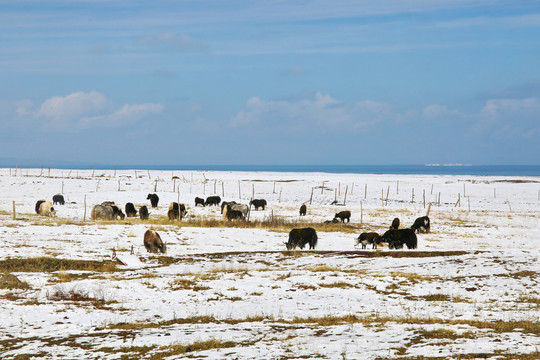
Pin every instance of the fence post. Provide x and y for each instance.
(365, 191)
(14, 213)
(311, 197)
(345, 198)
(84, 216)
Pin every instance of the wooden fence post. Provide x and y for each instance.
(280, 190)
(62, 188)
(215, 182)
(223, 188)
(311, 197)
(14, 213)
(458, 200)
(345, 197)
(424, 196)
(84, 216)
(361, 214)
(322, 187)
(155, 185)
(239, 191)
(412, 197)
(274, 190)
(149, 174)
(387, 193)
(365, 191)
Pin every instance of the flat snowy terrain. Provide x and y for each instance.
(230, 290)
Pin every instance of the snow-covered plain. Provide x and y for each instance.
(470, 290)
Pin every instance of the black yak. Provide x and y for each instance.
(343, 215)
(422, 224)
(397, 238)
(154, 199)
(301, 237)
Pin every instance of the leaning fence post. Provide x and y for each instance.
(311, 197)
(345, 197)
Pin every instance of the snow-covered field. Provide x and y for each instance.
(470, 290)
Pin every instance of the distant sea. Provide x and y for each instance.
(500, 170)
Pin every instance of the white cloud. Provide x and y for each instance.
(499, 107)
(322, 111)
(126, 114)
(436, 111)
(83, 110)
(61, 111)
(510, 117)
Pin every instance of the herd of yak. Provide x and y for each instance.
(396, 238)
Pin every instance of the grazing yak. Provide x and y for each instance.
(397, 238)
(180, 208)
(154, 199)
(301, 237)
(106, 212)
(230, 214)
(303, 210)
(243, 208)
(102, 212)
(368, 238)
(395, 224)
(117, 212)
(130, 210)
(46, 209)
(199, 201)
(421, 224)
(58, 199)
(257, 203)
(153, 242)
(225, 203)
(343, 215)
(38, 204)
(212, 200)
(143, 213)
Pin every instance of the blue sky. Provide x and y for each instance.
(270, 82)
